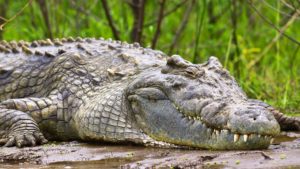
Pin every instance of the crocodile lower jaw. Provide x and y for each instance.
(217, 132)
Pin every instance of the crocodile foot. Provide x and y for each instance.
(20, 129)
(23, 139)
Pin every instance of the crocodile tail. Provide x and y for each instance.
(286, 123)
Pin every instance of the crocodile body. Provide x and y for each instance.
(110, 91)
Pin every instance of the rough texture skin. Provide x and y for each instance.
(103, 90)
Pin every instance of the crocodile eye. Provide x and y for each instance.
(151, 93)
(4, 73)
(191, 71)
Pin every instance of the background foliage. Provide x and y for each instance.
(241, 33)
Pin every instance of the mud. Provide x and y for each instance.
(284, 153)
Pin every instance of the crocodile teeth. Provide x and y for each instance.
(236, 137)
(246, 137)
(272, 140)
(217, 132)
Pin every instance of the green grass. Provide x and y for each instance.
(274, 78)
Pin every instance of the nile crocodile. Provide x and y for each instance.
(110, 91)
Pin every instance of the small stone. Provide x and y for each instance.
(282, 156)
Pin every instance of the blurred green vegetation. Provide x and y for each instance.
(264, 61)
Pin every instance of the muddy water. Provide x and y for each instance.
(284, 153)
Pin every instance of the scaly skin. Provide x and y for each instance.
(103, 90)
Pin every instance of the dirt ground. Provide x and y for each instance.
(284, 153)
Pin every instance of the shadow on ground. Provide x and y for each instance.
(284, 153)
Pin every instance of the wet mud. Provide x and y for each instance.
(283, 153)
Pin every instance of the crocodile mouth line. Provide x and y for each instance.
(214, 132)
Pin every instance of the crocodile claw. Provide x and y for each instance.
(24, 139)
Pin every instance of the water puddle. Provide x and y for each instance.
(286, 137)
(284, 152)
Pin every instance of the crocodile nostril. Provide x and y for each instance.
(254, 118)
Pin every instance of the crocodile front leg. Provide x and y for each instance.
(19, 120)
(18, 129)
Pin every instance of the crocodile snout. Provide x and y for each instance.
(252, 119)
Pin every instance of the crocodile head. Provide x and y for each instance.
(199, 105)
